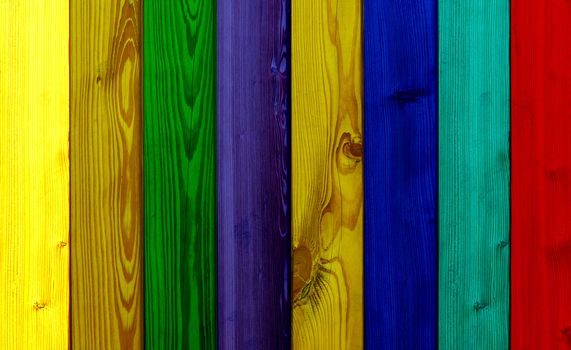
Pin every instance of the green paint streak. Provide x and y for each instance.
(474, 174)
(180, 174)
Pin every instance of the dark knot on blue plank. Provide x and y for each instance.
(403, 96)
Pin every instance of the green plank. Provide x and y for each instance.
(473, 174)
(180, 174)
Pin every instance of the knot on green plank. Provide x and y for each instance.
(502, 244)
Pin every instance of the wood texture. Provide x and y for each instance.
(400, 173)
(34, 174)
(473, 174)
(106, 175)
(180, 174)
(541, 168)
(327, 174)
(254, 243)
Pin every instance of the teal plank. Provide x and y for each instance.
(474, 174)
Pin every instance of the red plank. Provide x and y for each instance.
(541, 174)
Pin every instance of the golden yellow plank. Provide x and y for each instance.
(327, 174)
(34, 174)
(106, 175)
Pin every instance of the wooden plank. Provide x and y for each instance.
(180, 174)
(254, 243)
(400, 173)
(327, 174)
(106, 175)
(473, 174)
(34, 174)
(541, 166)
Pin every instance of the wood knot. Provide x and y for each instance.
(405, 96)
(502, 244)
(62, 244)
(39, 306)
(354, 150)
(479, 306)
(302, 267)
(566, 332)
(352, 147)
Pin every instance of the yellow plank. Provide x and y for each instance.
(327, 170)
(106, 175)
(34, 174)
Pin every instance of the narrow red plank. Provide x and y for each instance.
(541, 174)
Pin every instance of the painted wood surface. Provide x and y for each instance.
(106, 175)
(400, 174)
(34, 174)
(327, 174)
(541, 175)
(180, 174)
(254, 243)
(473, 174)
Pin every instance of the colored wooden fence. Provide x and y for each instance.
(400, 174)
(154, 141)
(106, 175)
(253, 174)
(34, 175)
(541, 175)
(473, 174)
(180, 174)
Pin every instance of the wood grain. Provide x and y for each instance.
(106, 175)
(327, 174)
(180, 174)
(541, 168)
(34, 174)
(473, 174)
(254, 242)
(400, 173)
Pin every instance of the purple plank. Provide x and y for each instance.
(253, 174)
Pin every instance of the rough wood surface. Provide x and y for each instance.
(254, 243)
(34, 174)
(541, 180)
(327, 174)
(180, 174)
(400, 174)
(473, 174)
(106, 175)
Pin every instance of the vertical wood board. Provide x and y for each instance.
(473, 174)
(106, 175)
(34, 174)
(254, 174)
(180, 174)
(400, 174)
(327, 175)
(541, 167)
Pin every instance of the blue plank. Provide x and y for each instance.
(400, 56)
